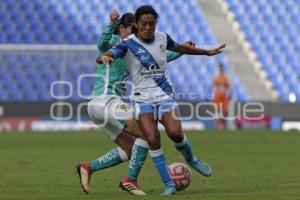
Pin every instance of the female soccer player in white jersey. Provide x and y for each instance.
(106, 99)
(144, 53)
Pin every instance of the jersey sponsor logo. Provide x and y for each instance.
(155, 73)
(152, 71)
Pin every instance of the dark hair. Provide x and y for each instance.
(126, 20)
(144, 10)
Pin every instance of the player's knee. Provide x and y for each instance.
(175, 134)
(153, 145)
(128, 152)
(126, 142)
(153, 141)
(177, 138)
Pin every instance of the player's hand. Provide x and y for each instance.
(114, 16)
(190, 43)
(216, 51)
(105, 60)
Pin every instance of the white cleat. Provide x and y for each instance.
(84, 172)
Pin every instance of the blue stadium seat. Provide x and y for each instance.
(277, 24)
(80, 22)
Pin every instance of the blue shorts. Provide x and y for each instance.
(157, 108)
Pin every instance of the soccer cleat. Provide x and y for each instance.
(201, 167)
(84, 171)
(169, 190)
(131, 186)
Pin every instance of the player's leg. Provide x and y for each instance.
(139, 154)
(99, 112)
(147, 122)
(220, 121)
(116, 155)
(170, 118)
(225, 107)
(138, 157)
(107, 118)
(139, 150)
(109, 159)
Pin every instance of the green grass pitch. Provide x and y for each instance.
(247, 165)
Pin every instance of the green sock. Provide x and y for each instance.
(138, 157)
(110, 159)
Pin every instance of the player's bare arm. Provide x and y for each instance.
(189, 49)
(107, 58)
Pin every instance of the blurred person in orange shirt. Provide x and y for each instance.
(222, 96)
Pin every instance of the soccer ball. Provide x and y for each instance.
(181, 175)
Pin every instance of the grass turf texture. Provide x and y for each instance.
(247, 165)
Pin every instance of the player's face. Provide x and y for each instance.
(128, 30)
(146, 27)
(125, 31)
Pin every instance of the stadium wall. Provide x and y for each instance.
(59, 116)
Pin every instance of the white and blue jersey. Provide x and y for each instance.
(146, 63)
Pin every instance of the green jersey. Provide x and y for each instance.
(111, 80)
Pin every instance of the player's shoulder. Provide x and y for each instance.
(131, 36)
(160, 34)
(125, 41)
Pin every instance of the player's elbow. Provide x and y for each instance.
(180, 49)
